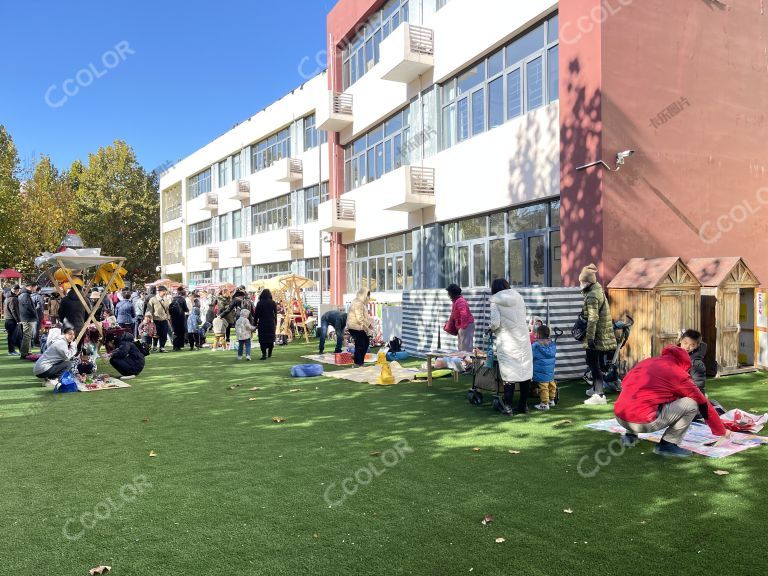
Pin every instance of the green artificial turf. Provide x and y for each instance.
(234, 493)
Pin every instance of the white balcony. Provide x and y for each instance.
(212, 256)
(335, 113)
(407, 53)
(238, 190)
(212, 202)
(415, 191)
(289, 170)
(294, 240)
(244, 251)
(336, 215)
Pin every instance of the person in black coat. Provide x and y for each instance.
(127, 359)
(179, 310)
(266, 323)
(692, 343)
(73, 313)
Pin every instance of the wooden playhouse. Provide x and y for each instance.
(727, 313)
(663, 296)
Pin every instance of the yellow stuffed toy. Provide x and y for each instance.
(104, 273)
(386, 378)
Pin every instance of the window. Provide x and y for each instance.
(362, 52)
(200, 234)
(224, 227)
(312, 271)
(263, 271)
(237, 227)
(236, 171)
(313, 197)
(382, 265)
(312, 135)
(172, 247)
(527, 68)
(172, 204)
(224, 173)
(270, 150)
(197, 278)
(199, 184)
(521, 245)
(272, 215)
(378, 152)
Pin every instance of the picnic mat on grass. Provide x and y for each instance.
(370, 374)
(698, 439)
(114, 384)
(330, 358)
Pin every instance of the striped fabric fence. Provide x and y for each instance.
(426, 311)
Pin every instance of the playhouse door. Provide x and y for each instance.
(669, 319)
(728, 329)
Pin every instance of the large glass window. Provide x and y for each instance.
(270, 150)
(377, 152)
(224, 172)
(236, 170)
(199, 184)
(225, 229)
(312, 271)
(521, 245)
(313, 196)
(362, 51)
(237, 224)
(381, 265)
(527, 69)
(200, 234)
(312, 135)
(197, 278)
(172, 251)
(273, 214)
(264, 271)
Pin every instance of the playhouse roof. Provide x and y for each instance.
(713, 272)
(650, 273)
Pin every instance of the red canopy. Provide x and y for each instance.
(10, 273)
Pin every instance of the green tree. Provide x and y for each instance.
(118, 208)
(11, 248)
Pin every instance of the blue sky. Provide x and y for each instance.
(172, 75)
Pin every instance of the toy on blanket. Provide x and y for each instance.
(386, 378)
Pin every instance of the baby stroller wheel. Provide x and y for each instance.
(474, 397)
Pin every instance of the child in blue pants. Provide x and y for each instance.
(244, 331)
(544, 353)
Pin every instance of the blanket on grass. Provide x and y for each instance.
(370, 374)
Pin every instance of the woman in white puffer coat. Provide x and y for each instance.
(513, 347)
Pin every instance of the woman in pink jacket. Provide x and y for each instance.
(461, 323)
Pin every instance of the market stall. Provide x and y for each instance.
(71, 266)
(287, 292)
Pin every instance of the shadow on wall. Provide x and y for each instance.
(715, 5)
(581, 196)
(534, 171)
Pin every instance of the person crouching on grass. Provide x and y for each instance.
(659, 393)
(244, 331)
(544, 353)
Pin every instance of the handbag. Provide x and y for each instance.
(579, 329)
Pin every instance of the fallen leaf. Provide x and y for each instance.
(252, 398)
(500, 540)
(152, 453)
(315, 535)
(277, 419)
(560, 423)
(722, 472)
(487, 519)
(235, 387)
(295, 390)
(475, 449)
(568, 511)
(145, 419)
(255, 388)
(375, 453)
(513, 452)
(100, 570)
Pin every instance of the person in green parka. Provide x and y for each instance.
(600, 339)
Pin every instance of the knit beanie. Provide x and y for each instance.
(588, 274)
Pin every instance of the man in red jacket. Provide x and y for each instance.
(659, 393)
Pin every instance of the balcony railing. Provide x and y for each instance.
(345, 210)
(212, 201)
(422, 40)
(295, 240)
(244, 250)
(212, 255)
(290, 170)
(342, 104)
(172, 213)
(244, 191)
(422, 180)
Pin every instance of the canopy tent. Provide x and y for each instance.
(68, 261)
(210, 287)
(286, 290)
(9, 273)
(168, 283)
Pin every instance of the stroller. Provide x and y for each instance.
(609, 366)
(489, 379)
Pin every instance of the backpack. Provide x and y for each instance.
(174, 307)
(143, 347)
(395, 345)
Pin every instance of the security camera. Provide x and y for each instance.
(621, 156)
